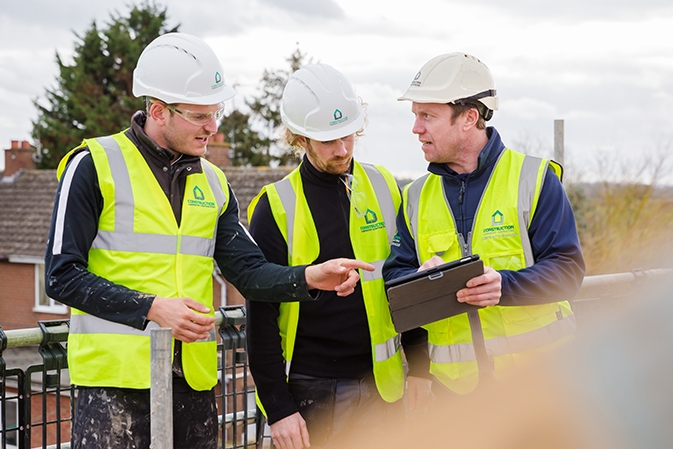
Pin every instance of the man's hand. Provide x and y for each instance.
(484, 290)
(180, 314)
(339, 275)
(432, 262)
(290, 432)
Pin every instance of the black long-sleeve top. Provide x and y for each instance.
(79, 204)
(333, 338)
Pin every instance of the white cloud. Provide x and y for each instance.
(529, 108)
(606, 68)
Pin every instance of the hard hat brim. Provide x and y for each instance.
(332, 134)
(489, 102)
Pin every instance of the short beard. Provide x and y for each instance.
(325, 167)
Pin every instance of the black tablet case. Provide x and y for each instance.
(430, 295)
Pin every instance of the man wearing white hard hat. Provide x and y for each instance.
(328, 373)
(483, 198)
(139, 218)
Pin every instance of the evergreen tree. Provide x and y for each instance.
(94, 95)
(247, 146)
(265, 116)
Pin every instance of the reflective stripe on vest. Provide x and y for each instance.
(505, 345)
(390, 348)
(89, 324)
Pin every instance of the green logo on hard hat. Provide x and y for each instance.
(218, 81)
(338, 118)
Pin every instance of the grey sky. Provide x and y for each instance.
(605, 68)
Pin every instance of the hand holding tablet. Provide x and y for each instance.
(430, 295)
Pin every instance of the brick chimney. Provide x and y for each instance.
(218, 151)
(18, 157)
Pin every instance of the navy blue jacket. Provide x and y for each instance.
(559, 266)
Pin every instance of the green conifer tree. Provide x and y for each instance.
(256, 133)
(93, 96)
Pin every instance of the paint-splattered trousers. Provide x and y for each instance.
(120, 418)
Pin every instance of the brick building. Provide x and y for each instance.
(26, 203)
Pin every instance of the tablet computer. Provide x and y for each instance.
(430, 295)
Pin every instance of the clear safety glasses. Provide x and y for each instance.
(193, 117)
(197, 118)
(358, 199)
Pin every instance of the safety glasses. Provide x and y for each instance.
(358, 199)
(197, 118)
(193, 117)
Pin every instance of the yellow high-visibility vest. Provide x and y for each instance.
(370, 235)
(139, 245)
(500, 236)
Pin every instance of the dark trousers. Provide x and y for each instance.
(342, 412)
(120, 418)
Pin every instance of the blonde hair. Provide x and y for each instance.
(293, 140)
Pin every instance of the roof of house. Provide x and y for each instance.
(26, 204)
(27, 201)
(248, 181)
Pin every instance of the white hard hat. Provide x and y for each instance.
(453, 78)
(180, 68)
(320, 103)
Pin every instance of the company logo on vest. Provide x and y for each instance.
(498, 227)
(199, 199)
(372, 222)
(497, 218)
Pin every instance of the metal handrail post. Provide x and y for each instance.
(161, 389)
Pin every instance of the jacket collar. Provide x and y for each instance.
(151, 150)
(487, 157)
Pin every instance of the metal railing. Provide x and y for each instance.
(37, 403)
(36, 407)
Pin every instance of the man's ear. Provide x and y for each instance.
(303, 141)
(471, 117)
(156, 113)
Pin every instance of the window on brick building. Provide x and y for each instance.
(44, 303)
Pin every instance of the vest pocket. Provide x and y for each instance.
(436, 243)
(511, 260)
